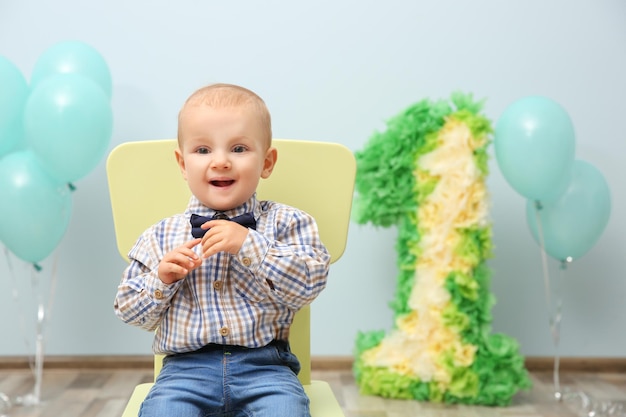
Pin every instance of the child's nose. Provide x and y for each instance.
(220, 160)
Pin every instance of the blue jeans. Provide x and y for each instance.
(229, 381)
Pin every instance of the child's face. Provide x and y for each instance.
(223, 154)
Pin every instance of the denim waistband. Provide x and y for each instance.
(281, 344)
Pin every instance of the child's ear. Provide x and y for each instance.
(181, 162)
(271, 156)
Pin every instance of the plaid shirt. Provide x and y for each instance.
(247, 299)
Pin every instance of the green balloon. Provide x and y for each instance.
(572, 224)
(535, 145)
(72, 57)
(68, 123)
(35, 209)
(13, 94)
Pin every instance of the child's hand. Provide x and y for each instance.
(223, 236)
(176, 264)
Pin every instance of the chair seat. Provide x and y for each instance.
(323, 402)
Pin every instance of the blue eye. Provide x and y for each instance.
(202, 150)
(239, 149)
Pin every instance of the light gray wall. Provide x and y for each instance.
(335, 70)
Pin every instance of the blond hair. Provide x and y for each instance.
(230, 95)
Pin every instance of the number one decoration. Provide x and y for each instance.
(426, 175)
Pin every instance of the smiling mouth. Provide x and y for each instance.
(222, 183)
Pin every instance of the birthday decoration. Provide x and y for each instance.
(52, 132)
(426, 175)
(535, 145)
(569, 201)
(29, 231)
(575, 221)
(13, 95)
(567, 209)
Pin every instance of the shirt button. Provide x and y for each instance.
(246, 261)
(217, 285)
(158, 294)
(224, 331)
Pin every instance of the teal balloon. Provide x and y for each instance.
(68, 123)
(13, 94)
(35, 210)
(535, 146)
(72, 57)
(573, 223)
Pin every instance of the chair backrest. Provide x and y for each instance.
(317, 177)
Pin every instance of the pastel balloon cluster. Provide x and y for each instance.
(53, 131)
(568, 200)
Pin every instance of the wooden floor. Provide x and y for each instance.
(103, 393)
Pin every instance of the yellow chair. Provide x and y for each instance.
(316, 177)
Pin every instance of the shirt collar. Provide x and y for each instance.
(251, 205)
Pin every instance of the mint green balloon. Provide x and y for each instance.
(574, 222)
(13, 95)
(535, 145)
(72, 57)
(68, 123)
(35, 210)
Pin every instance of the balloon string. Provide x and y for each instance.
(5, 400)
(16, 298)
(43, 317)
(44, 310)
(53, 283)
(581, 401)
(555, 327)
(39, 344)
(554, 323)
(544, 256)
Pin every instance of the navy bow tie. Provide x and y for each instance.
(246, 219)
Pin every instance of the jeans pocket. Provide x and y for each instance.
(286, 357)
